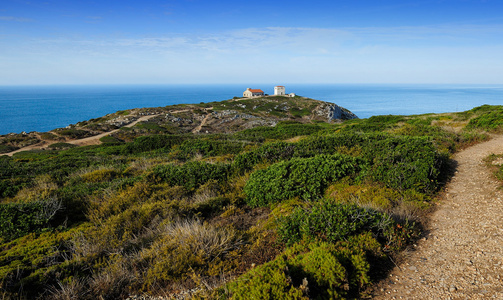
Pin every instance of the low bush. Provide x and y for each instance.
(205, 148)
(350, 142)
(102, 174)
(281, 131)
(311, 271)
(19, 219)
(74, 133)
(267, 153)
(405, 163)
(7, 148)
(401, 204)
(192, 174)
(151, 127)
(490, 118)
(306, 178)
(331, 222)
(154, 142)
(60, 146)
(110, 140)
(48, 136)
(186, 247)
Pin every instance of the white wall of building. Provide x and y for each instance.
(279, 90)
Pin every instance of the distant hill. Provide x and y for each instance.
(205, 118)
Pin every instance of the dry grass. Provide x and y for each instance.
(405, 205)
(75, 289)
(42, 188)
(202, 238)
(114, 280)
(205, 192)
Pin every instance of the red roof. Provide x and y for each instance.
(256, 91)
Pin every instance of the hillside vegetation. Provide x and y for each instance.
(302, 210)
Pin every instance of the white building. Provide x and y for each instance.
(279, 90)
(252, 93)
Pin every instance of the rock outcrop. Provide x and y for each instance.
(334, 112)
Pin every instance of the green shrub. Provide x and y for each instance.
(331, 222)
(330, 144)
(377, 197)
(490, 118)
(73, 133)
(110, 140)
(385, 119)
(186, 247)
(100, 175)
(61, 146)
(19, 219)
(404, 163)
(299, 177)
(151, 127)
(48, 136)
(206, 148)
(314, 271)
(281, 131)
(10, 187)
(267, 153)
(7, 148)
(30, 263)
(401, 162)
(192, 174)
(154, 142)
(269, 281)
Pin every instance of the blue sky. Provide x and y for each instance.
(195, 41)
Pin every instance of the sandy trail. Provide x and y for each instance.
(203, 122)
(462, 256)
(93, 140)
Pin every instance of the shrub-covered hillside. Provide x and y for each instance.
(214, 117)
(301, 210)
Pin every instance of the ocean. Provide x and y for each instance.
(43, 108)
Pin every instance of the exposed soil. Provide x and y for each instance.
(200, 126)
(461, 255)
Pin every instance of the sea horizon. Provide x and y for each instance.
(27, 108)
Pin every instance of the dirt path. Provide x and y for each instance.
(462, 256)
(93, 140)
(203, 122)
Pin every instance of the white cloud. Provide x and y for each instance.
(14, 19)
(400, 54)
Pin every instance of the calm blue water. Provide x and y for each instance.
(42, 108)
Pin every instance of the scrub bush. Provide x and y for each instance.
(154, 142)
(311, 271)
(404, 163)
(306, 178)
(330, 222)
(100, 175)
(192, 174)
(188, 246)
(268, 153)
(19, 219)
(490, 118)
(281, 131)
(401, 204)
(205, 148)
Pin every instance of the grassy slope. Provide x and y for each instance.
(256, 210)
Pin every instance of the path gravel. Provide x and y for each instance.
(462, 255)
